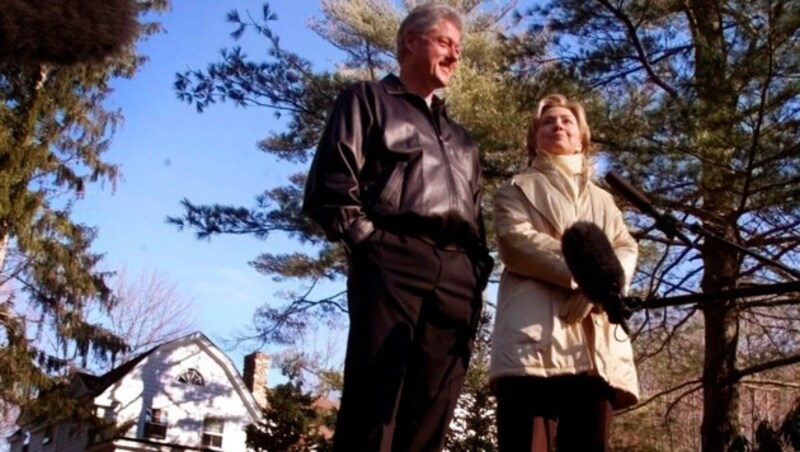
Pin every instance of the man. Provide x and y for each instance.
(398, 182)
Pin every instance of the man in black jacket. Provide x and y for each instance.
(398, 181)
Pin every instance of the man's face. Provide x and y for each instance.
(432, 58)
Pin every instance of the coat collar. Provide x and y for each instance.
(393, 85)
(545, 187)
(544, 163)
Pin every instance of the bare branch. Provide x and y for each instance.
(637, 44)
(774, 364)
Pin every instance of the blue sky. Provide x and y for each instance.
(167, 151)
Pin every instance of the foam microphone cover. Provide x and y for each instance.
(64, 31)
(592, 262)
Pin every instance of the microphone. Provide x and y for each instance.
(65, 32)
(631, 194)
(665, 222)
(597, 270)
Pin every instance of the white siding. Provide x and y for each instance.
(153, 384)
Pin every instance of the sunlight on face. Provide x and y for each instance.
(558, 132)
(433, 57)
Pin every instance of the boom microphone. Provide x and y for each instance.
(597, 270)
(631, 194)
(664, 221)
(64, 31)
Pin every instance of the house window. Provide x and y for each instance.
(155, 424)
(106, 412)
(192, 377)
(212, 432)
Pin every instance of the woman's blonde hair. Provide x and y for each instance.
(559, 100)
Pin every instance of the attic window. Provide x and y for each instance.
(192, 377)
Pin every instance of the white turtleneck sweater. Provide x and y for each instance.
(572, 166)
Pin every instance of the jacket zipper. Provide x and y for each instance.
(448, 166)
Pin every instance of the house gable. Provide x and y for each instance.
(183, 394)
(161, 406)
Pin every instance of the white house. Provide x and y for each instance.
(182, 395)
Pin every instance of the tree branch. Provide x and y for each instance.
(637, 44)
(758, 368)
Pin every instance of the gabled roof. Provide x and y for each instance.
(87, 388)
(97, 384)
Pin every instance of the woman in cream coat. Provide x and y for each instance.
(558, 367)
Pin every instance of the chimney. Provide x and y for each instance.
(256, 365)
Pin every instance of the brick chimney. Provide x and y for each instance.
(256, 365)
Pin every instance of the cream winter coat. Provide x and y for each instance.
(531, 213)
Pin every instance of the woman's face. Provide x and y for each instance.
(558, 132)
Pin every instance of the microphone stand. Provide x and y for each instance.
(742, 292)
(670, 225)
(697, 229)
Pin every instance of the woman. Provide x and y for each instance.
(558, 367)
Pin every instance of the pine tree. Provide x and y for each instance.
(699, 103)
(293, 421)
(54, 129)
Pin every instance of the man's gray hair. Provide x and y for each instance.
(422, 19)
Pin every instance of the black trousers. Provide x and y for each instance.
(564, 413)
(413, 314)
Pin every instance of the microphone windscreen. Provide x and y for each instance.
(65, 31)
(592, 262)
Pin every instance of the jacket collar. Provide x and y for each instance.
(545, 187)
(544, 164)
(393, 85)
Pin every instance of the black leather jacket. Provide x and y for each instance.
(388, 161)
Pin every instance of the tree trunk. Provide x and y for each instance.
(721, 395)
(721, 400)
(716, 95)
